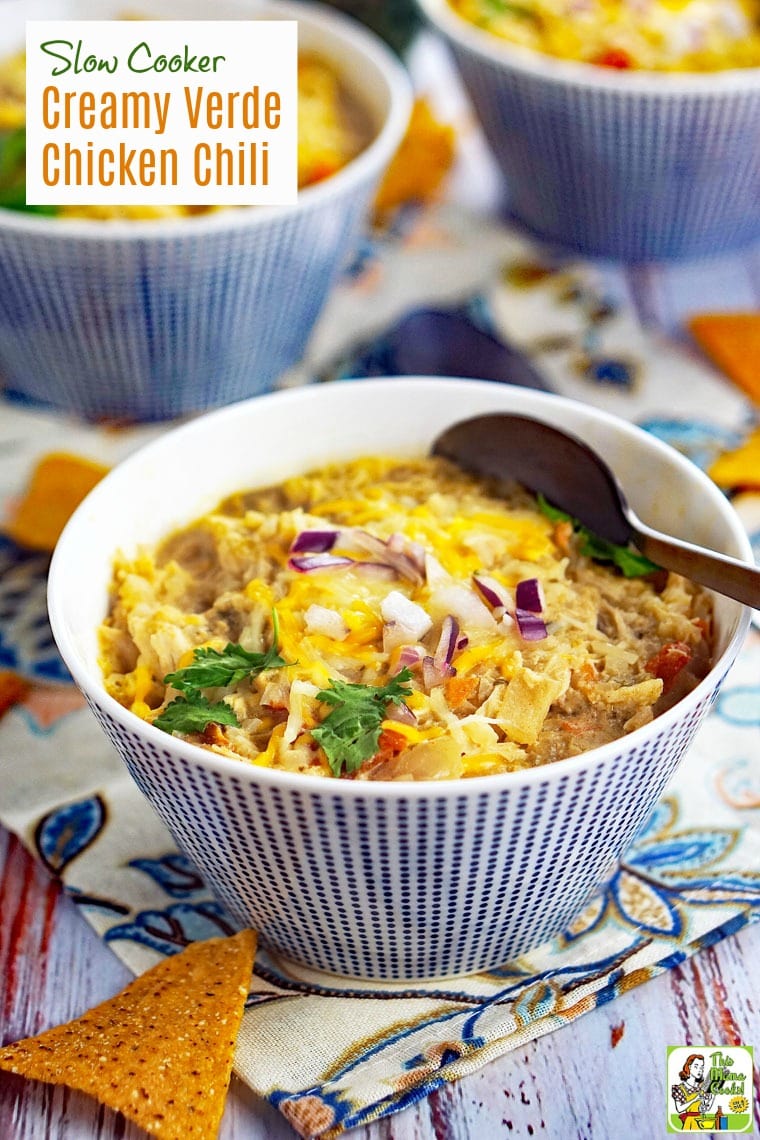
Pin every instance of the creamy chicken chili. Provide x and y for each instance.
(388, 619)
(652, 35)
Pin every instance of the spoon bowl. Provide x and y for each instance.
(573, 477)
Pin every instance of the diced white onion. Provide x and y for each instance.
(320, 619)
(302, 695)
(434, 572)
(400, 611)
(465, 605)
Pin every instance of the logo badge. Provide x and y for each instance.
(709, 1088)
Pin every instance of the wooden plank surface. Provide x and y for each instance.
(602, 1077)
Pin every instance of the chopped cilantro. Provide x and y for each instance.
(350, 733)
(214, 669)
(194, 714)
(496, 8)
(13, 173)
(630, 563)
(12, 154)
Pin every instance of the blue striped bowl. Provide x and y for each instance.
(630, 165)
(149, 320)
(386, 881)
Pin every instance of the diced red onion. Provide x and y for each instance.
(399, 554)
(529, 596)
(406, 566)
(306, 563)
(400, 544)
(314, 541)
(493, 592)
(447, 642)
(530, 625)
(377, 570)
(401, 713)
(433, 674)
(463, 642)
(410, 657)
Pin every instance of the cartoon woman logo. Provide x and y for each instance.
(692, 1096)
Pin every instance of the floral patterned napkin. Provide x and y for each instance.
(332, 1056)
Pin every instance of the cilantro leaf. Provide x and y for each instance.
(350, 733)
(628, 561)
(12, 155)
(554, 514)
(213, 668)
(193, 714)
(13, 173)
(496, 8)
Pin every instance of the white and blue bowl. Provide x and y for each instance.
(149, 320)
(384, 881)
(623, 164)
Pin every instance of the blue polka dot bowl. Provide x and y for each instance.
(627, 164)
(146, 320)
(384, 881)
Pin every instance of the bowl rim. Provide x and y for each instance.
(366, 45)
(575, 73)
(92, 686)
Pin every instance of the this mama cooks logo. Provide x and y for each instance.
(709, 1088)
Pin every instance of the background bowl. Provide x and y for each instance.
(625, 164)
(147, 320)
(383, 880)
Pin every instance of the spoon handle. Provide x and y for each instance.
(718, 572)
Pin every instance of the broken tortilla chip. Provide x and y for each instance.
(421, 163)
(13, 689)
(161, 1051)
(58, 484)
(732, 341)
(739, 469)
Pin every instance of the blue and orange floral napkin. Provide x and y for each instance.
(329, 1055)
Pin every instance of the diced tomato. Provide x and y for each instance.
(614, 57)
(320, 171)
(213, 734)
(391, 743)
(668, 662)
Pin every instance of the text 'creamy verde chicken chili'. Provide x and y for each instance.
(393, 620)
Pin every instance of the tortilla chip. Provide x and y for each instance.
(161, 1051)
(12, 690)
(739, 470)
(732, 341)
(421, 163)
(58, 485)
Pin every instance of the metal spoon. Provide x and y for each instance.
(574, 478)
